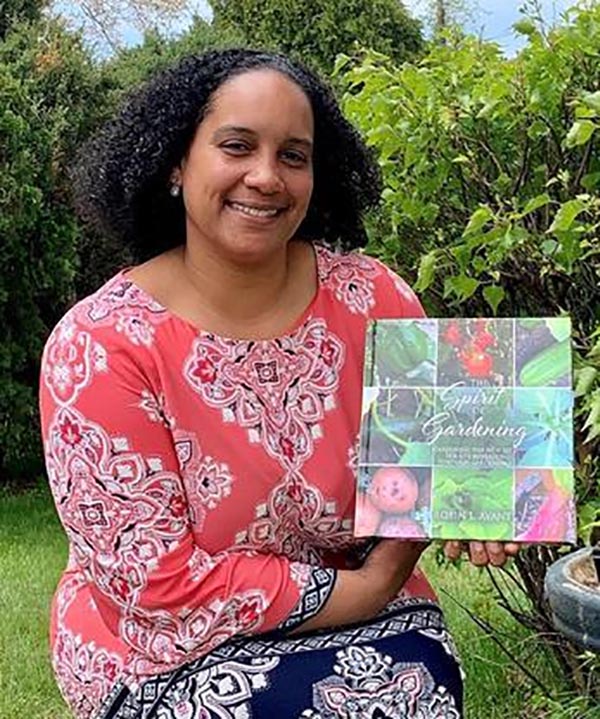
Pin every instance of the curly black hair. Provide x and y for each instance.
(122, 175)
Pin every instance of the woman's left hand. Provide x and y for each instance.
(482, 553)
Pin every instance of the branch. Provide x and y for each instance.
(524, 167)
(89, 12)
(489, 631)
(514, 601)
(482, 181)
(492, 155)
(555, 138)
(582, 166)
(507, 573)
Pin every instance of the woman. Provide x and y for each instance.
(200, 414)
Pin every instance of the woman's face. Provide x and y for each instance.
(248, 176)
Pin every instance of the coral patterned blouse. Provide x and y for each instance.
(206, 485)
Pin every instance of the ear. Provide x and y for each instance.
(175, 176)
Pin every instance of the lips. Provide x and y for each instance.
(254, 210)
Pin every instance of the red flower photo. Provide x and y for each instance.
(475, 352)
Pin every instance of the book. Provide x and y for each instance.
(467, 430)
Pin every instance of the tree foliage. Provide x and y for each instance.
(49, 92)
(493, 191)
(15, 11)
(316, 31)
(131, 66)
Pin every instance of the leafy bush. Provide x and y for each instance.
(492, 191)
(48, 92)
(14, 11)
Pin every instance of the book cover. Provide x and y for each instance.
(467, 430)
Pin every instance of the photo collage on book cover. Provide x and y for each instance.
(466, 430)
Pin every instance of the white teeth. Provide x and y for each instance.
(253, 211)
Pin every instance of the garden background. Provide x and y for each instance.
(491, 207)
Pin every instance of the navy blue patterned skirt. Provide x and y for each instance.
(400, 665)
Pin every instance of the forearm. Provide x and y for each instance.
(352, 600)
(360, 594)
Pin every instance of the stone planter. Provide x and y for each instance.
(573, 591)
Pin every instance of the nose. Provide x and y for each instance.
(264, 176)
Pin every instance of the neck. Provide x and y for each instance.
(244, 293)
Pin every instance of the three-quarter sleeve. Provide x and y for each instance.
(118, 489)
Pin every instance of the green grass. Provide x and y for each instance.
(33, 553)
(495, 688)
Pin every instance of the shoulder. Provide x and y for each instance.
(119, 312)
(112, 329)
(366, 285)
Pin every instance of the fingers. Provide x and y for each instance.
(478, 554)
(411, 548)
(482, 553)
(512, 549)
(453, 549)
(496, 553)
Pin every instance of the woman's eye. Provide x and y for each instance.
(294, 157)
(235, 147)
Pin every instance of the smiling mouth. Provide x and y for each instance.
(254, 211)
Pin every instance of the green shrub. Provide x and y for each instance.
(14, 11)
(492, 192)
(48, 92)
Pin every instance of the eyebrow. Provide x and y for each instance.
(226, 129)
